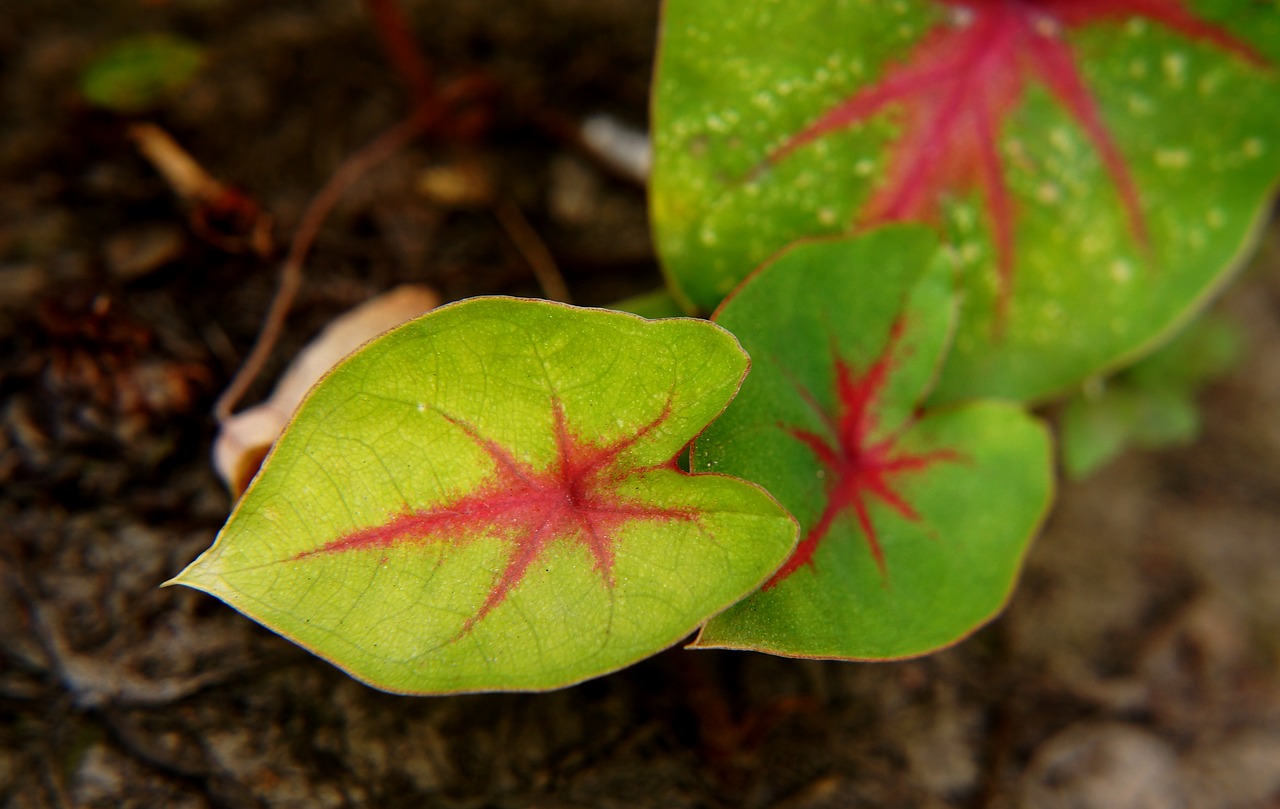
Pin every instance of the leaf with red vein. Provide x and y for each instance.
(957, 87)
(575, 499)
(861, 466)
(914, 522)
(488, 499)
(1048, 139)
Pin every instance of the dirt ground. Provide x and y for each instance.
(1138, 664)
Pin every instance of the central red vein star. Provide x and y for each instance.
(860, 463)
(574, 499)
(955, 89)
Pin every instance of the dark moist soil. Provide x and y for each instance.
(1137, 666)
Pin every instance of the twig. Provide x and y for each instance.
(351, 170)
(534, 251)
(432, 109)
(402, 51)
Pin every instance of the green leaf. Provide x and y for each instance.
(656, 304)
(487, 499)
(1093, 432)
(1049, 141)
(1151, 404)
(1208, 348)
(138, 73)
(913, 524)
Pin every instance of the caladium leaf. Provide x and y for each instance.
(913, 524)
(1100, 165)
(487, 499)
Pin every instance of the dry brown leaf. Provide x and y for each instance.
(246, 437)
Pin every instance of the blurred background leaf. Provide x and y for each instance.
(1152, 404)
(137, 73)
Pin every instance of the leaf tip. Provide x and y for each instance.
(195, 575)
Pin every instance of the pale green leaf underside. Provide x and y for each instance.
(380, 437)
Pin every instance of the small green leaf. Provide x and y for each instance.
(1093, 431)
(913, 524)
(487, 498)
(1208, 348)
(1151, 404)
(139, 73)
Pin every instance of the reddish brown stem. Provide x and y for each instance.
(534, 251)
(402, 49)
(432, 109)
(351, 170)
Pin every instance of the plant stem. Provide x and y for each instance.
(351, 170)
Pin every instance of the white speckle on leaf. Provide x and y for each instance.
(1048, 193)
(722, 123)
(827, 216)
(1121, 271)
(1092, 244)
(1254, 147)
(1209, 83)
(1139, 104)
(964, 218)
(1175, 68)
(1173, 158)
(1061, 140)
(864, 167)
(1047, 26)
(1215, 218)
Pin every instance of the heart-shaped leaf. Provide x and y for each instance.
(1100, 165)
(913, 524)
(487, 498)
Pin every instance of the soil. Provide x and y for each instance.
(1137, 665)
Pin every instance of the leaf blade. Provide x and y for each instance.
(913, 525)
(568, 414)
(1106, 223)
